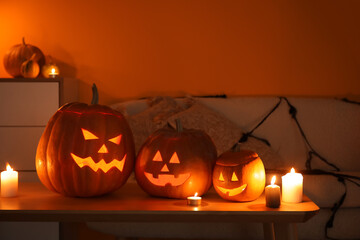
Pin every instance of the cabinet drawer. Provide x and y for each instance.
(18, 146)
(28, 103)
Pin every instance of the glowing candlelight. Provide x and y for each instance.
(53, 73)
(9, 182)
(194, 200)
(272, 194)
(292, 187)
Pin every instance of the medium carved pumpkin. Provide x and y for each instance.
(20, 53)
(239, 176)
(85, 150)
(176, 163)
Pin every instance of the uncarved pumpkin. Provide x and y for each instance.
(176, 163)
(85, 150)
(30, 68)
(20, 53)
(239, 176)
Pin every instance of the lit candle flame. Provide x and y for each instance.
(292, 170)
(8, 167)
(196, 194)
(273, 179)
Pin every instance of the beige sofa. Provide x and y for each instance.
(331, 127)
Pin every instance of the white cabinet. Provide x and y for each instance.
(26, 105)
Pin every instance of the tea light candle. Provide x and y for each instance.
(272, 194)
(194, 200)
(292, 187)
(53, 73)
(9, 182)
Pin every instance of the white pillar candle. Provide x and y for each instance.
(9, 182)
(194, 200)
(292, 187)
(272, 194)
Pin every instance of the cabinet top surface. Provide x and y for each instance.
(130, 203)
(30, 80)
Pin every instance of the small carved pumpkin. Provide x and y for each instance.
(176, 163)
(20, 53)
(85, 150)
(239, 176)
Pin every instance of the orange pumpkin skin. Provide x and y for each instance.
(30, 69)
(239, 176)
(20, 53)
(77, 136)
(176, 164)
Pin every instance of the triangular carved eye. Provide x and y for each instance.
(234, 178)
(116, 139)
(221, 177)
(157, 157)
(88, 135)
(174, 158)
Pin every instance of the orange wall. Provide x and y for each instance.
(142, 48)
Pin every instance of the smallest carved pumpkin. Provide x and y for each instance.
(239, 176)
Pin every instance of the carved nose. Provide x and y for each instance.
(103, 149)
(164, 169)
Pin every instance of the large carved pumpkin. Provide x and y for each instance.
(176, 163)
(85, 150)
(20, 53)
(239, 176)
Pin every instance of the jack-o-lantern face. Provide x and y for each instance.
(231, 191)
(239, 176)
(85, 150)
(165, 176)
(176, 164)
(102, 164)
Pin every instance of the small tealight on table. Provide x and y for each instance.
(272, 194)
(9, 182)
(194, 200)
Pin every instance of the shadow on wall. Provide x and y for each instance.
(65, 61)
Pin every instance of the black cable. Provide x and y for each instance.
(312, 152)
(349, 101)
(246, 135)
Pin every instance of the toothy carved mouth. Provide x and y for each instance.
(233, 191)
(164, 179)
(105, 167)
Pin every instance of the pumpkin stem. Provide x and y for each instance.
(23, 40)
(179, 127)
(95, 96)
(32, 57)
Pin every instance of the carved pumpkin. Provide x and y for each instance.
(176, 163)
(20, 53)
(85, 150)
(239, 176)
